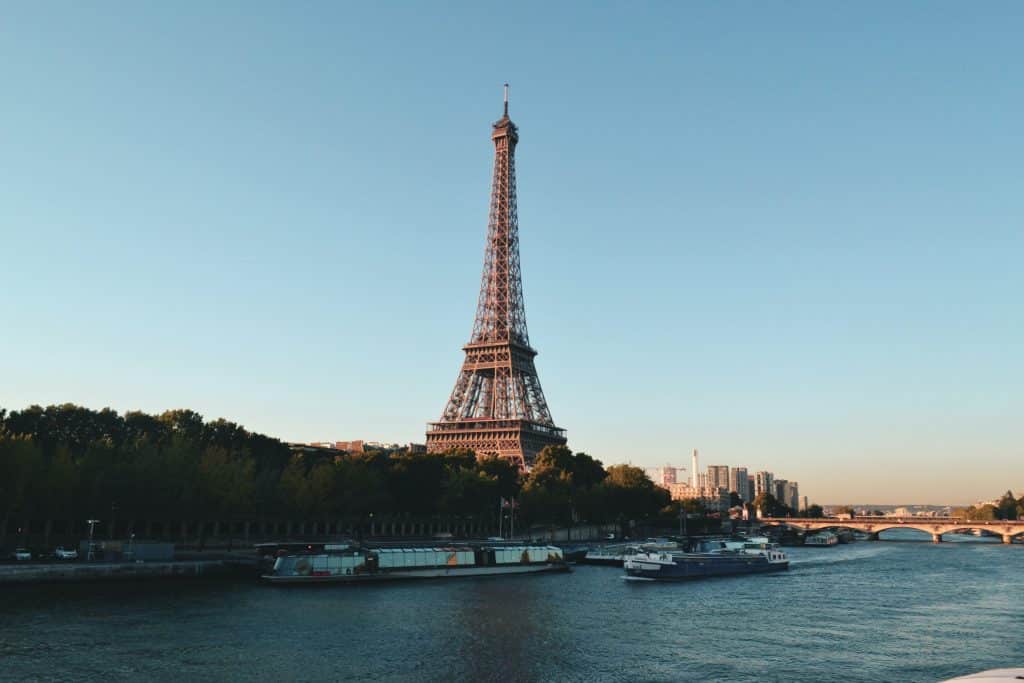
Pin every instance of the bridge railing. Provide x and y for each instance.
(839, 521)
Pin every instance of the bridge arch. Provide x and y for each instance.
(936, 528)
(932, 531)
(968, 527)
(916, 527)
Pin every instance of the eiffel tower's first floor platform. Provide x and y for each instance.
(517, 440)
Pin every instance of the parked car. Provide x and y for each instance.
(61, 554)
(21, 555)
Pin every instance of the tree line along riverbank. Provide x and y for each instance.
(179, 477)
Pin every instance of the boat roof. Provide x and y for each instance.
(992, 675)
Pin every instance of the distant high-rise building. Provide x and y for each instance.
(664, 476)
(718, 476)
(804, 508)
(779, 490)
(693, 470)
(764, 482)
(792, 495)
(714, 498)
(740, 483)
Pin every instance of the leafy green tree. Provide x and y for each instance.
(587, 472)
(61, 481)
(814, 511)
(460, 459)
(187, 423)
(1007, 508)
(765, 504)
(469, 491)
(505, 474)
(322, 488)
(69, 462)
(295, 489)
(769, 506)
(547, 498)
(984, 513)
(86, 463)
(363, 487)
(693, 506)
(19, 460)
(416, 482)
(632, 494)
(557, 485)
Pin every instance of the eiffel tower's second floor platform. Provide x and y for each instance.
(496, 425)
(518, 440)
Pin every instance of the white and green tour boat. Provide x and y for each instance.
(354, 564)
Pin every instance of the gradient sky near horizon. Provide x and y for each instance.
(787, 234)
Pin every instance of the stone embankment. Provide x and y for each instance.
(56, 572)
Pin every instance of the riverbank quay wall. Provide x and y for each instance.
(46, 534)
(1008, 530)
(68, 572)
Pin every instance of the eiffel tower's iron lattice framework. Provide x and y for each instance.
(497, 406)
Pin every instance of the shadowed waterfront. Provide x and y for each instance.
(867, 611)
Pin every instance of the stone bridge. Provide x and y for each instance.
(936, 526)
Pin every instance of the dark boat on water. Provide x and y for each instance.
(733, 559)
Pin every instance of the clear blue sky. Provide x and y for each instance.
(788, 234)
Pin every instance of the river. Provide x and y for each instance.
(882, 611)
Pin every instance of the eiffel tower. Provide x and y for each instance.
(497, 406)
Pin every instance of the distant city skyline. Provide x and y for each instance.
(788, 235)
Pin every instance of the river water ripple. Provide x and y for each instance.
(861, 612)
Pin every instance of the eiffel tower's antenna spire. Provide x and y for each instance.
(506, 99)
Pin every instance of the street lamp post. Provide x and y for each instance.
(501, 517)
(92, 526)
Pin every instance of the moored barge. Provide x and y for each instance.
(353, 564)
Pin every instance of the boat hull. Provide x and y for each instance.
(604, 561)
(412, 574)
(702, 567)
